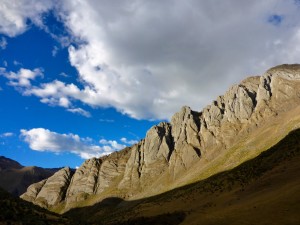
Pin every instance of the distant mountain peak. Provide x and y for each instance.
(16, 178)
(6, 163)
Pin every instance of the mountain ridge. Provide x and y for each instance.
(263, 190)
(192, 146)
(16, 178)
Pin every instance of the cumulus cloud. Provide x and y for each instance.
(40, 139)
(22, 78)
(148, 58)
(53, 94)
(15, 15)
(114, 145)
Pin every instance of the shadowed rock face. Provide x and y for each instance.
(189, 145)
(16, 178)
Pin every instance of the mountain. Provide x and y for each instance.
(263, 190)
(248, 119)
(6, 163)
(16, 178)
(17, 211)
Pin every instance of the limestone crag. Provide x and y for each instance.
(191, 141)
(51, 191)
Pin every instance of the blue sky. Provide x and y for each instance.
(80, 79)
(33, 49)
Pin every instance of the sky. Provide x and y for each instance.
(84, 78)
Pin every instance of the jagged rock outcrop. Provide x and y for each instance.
(193, 145)
(51, 191)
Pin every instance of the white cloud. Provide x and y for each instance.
(40, 139)
(55, 51)
(148, 58)
(14, 15)
(53, 94)
(16, 63)
(128, 142)
(80, 111)
(3, 43)
(64, 74)
(7, 134)
(111, 144)
(23, 77)
(106, 120)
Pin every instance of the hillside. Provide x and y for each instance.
(248, 119)
(16, 178)
(264, 190)
(16, 211)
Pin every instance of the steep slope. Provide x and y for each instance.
(16, 178)
(6, 163)
(264, 190)
(248, 119)
(16, 211)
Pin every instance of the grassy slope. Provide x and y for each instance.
(16, 211)
(264, 190)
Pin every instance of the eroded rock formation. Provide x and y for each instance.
(170, 151)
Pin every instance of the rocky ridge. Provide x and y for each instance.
(192, 146)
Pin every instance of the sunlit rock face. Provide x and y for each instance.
(186, 145)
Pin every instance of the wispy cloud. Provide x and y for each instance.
(80, 111)
(54, 51)
(128, 142)
(106, 120)
(17, 63)
(7, 134)
(64, 74)
(3, 43)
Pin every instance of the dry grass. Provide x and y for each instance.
(264, 190)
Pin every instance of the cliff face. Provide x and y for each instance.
(237, 126)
